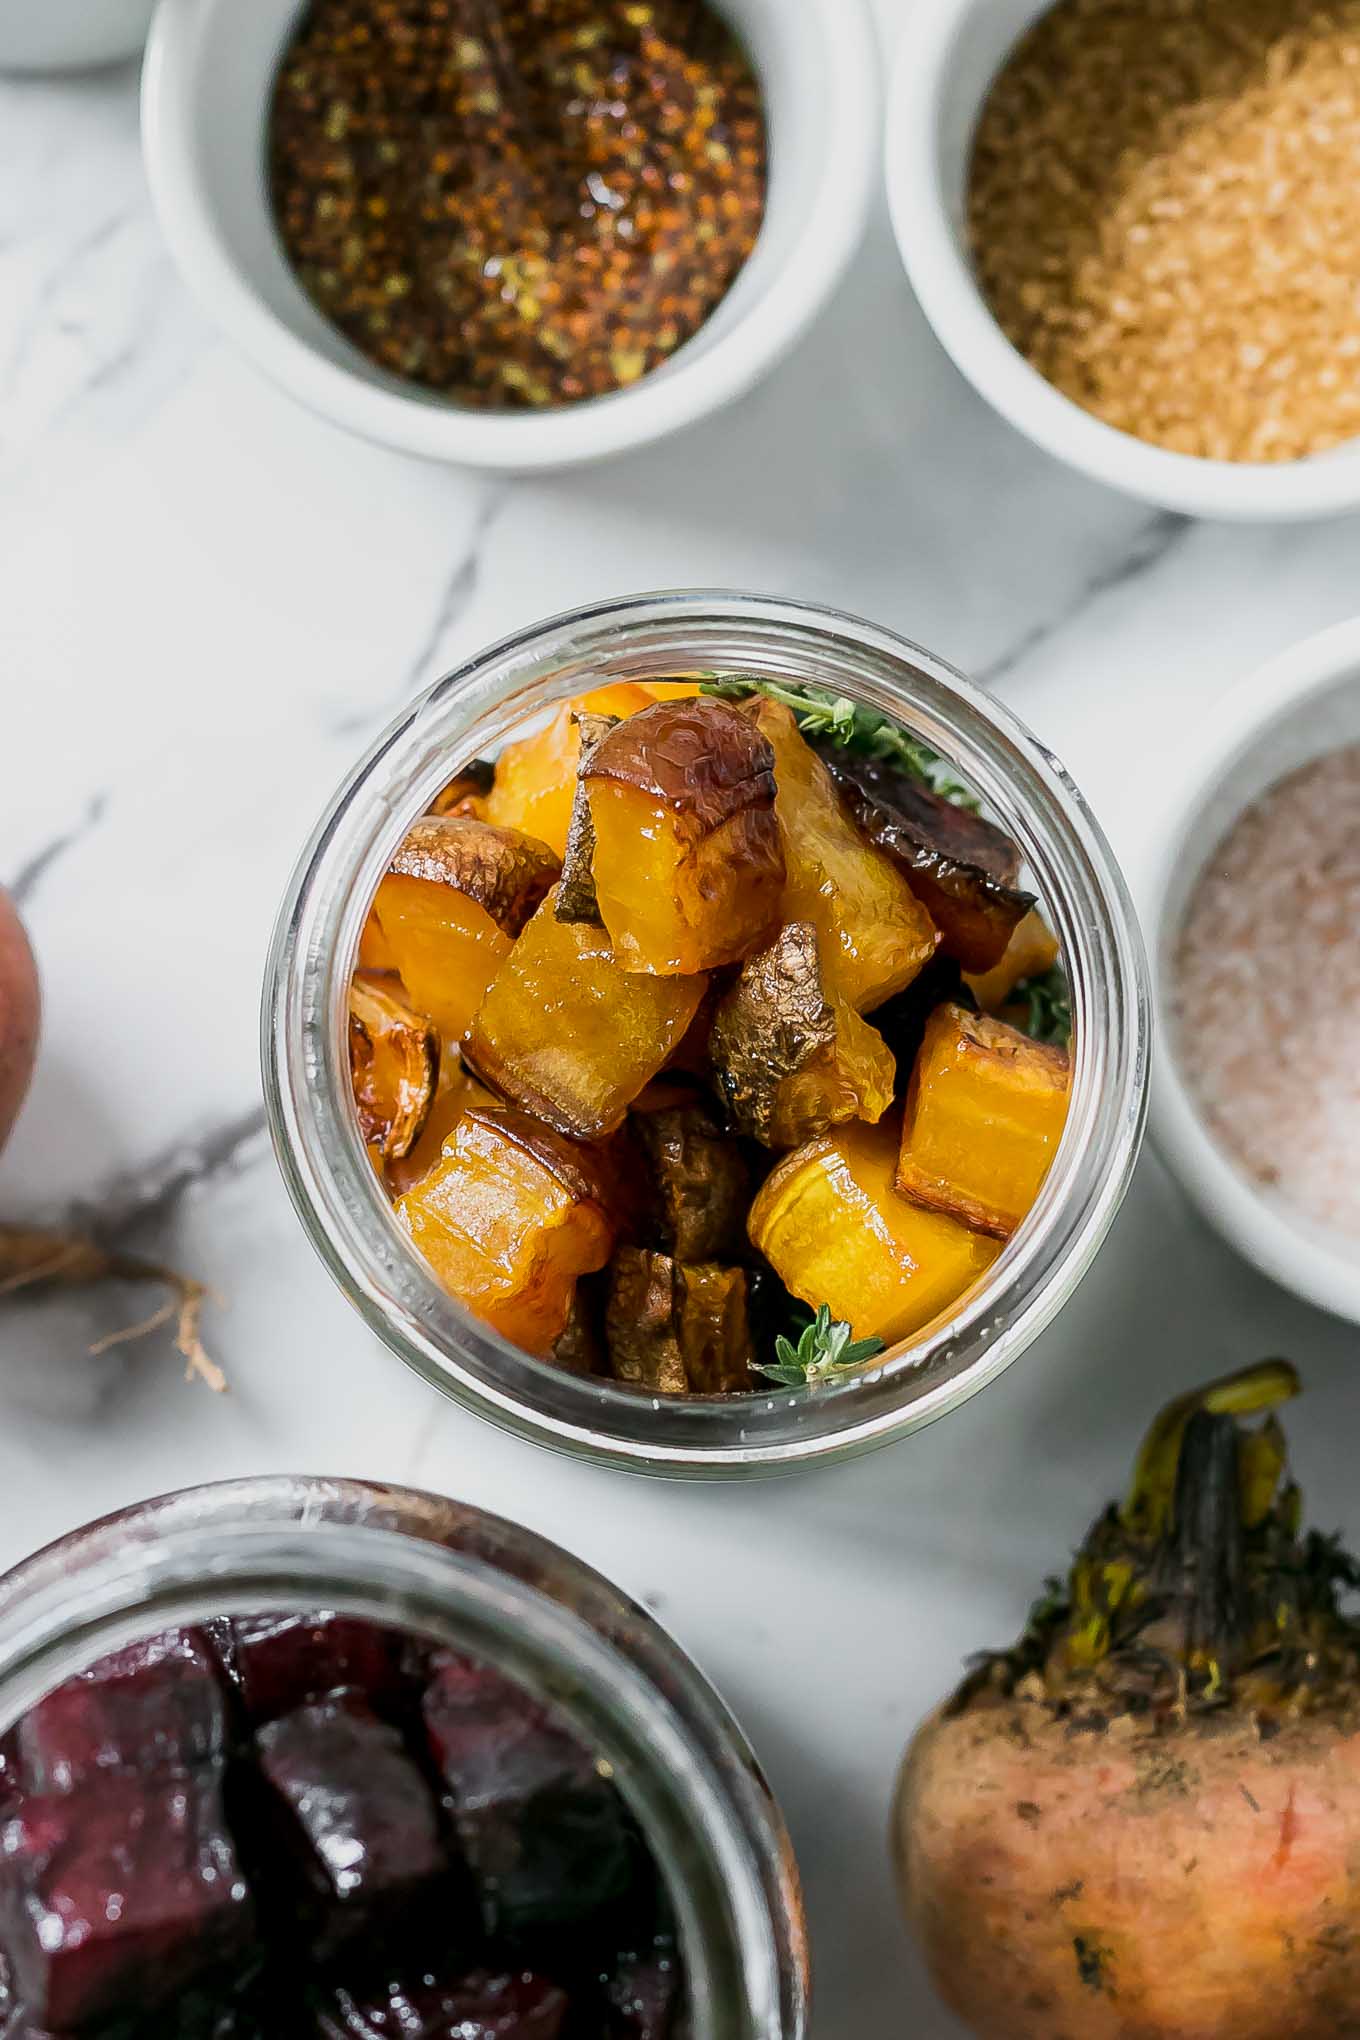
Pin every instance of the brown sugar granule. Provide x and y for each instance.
(516, 202)
(1265, 991)
(1164, 211)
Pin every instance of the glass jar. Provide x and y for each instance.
(476, 1583)
(470, 713)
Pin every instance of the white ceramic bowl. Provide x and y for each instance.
(206, 85)
(1291, 710)
(70, 35)
(950, 52)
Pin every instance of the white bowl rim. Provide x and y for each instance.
(945, 287)
(519, 442)
(1244, 1214)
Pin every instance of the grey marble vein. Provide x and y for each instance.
(1155, 540)
(148, 1196)
(455, 596)
(30, 874)
(68, 265)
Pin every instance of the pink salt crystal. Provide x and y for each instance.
(1266, 991)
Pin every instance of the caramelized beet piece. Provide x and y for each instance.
(543, 1832)
(114, 1898)
(644, 1992)
(703, 1186)
(157, 1704)
(677, 1328)
(688, 864)
(279, 1662)
(961, 868)
(351, 1833)
(475, 2007)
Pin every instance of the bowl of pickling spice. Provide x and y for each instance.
(1253, 919)
(1135, 226)
(514, 234)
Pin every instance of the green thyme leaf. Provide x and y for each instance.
(855, 728)
(1047, 1007)
(824, 1351)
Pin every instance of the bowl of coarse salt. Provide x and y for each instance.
(1252, 914)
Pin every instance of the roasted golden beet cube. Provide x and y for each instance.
(375, 952)
(832, 1225)
(961, 867)
(984, 1115)
(1031, 951)
(568, 1035)
(508, 1218)
(456, 1089)
(875, 935)
(678, 1329)
(688, 861)
(536, 776)
(791, 1056)
(455, 897)
(393, 1065)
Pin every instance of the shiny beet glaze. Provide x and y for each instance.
(119, 1894)
(314, 1828)
(157, 1704)
(279, 1662)
(478, 2006)
(352, 1830)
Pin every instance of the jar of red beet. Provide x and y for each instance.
(1011, 1272)
(302, 1759)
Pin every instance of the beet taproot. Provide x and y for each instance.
(1143, 1821)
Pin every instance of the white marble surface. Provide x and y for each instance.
(208, 600)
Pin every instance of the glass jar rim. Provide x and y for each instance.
(281, 1543)
(338, 1195)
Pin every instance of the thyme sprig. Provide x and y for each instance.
(854, 728)
(1046, 1006)
(825, 1350)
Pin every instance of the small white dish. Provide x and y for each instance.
(205, 91)
(1295, 708)
(950, 52)
(70, 35)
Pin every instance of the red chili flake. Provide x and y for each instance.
(519, 203)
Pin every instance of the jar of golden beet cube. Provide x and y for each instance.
(661, 1039)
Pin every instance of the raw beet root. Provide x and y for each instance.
(119, 1894)
(156, 1705)
(644, 1992)
(543, 1833)
(279, 1662)
(350, 1835)
(19, 1012)
(1143, 1819)
(475, 2007)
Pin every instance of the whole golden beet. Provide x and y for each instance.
(1143, 1823)
(19, 1011)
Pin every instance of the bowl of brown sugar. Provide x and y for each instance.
(1253, 920)
(514, 234)
(1135, 226)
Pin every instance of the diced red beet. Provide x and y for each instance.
(544, 1833)
(158, 1705)
(644, 1992)
(116, 1896)
(351, 1824)
(279, 1662)
(475, 2007)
